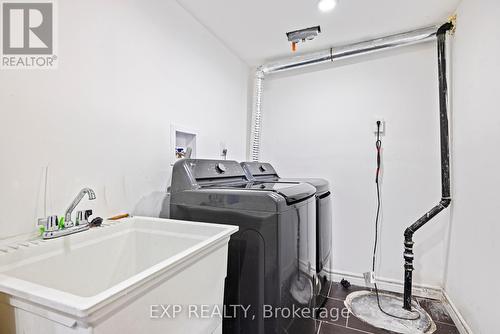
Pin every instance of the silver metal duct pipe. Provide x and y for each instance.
(321, 57)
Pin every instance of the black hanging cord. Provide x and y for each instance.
(378, 145)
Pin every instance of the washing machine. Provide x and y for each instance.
(264, 259)
(261, 171)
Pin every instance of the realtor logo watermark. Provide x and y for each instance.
(28, 35)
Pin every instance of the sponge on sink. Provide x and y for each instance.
(61, 223)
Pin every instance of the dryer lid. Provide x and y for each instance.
(292, 192)
(264, 171)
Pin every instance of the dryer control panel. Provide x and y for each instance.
(255, 169)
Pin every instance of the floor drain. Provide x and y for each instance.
(363, 304)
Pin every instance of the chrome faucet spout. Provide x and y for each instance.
(78, 198)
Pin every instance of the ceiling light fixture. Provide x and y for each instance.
(327, 5)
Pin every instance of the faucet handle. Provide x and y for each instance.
(82, 217)
(51, 223)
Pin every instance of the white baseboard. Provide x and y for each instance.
(419, 290)
(388, 284)
(455, 314)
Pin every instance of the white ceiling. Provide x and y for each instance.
(255, 29)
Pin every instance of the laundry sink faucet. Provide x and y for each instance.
(78, 198)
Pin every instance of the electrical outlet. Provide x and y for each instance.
(382, 125)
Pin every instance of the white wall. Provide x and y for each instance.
(127, 71)
(473, 269)
(320, 124)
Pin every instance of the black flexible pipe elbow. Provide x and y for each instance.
(445, 202)
(444, 28)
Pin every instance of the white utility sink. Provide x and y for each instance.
(117, 278)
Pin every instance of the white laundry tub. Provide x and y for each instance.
(118, 278)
